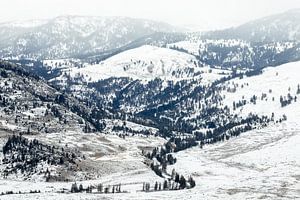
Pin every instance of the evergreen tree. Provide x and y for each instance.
(100, 188)
(156, 186)
(182, 182)
(74, 188)
(192, 182)
(80, 188)
(165, 186)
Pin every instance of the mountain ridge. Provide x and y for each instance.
(66, 36)
(284, 26)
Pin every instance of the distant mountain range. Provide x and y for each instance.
(69, 36)
(281, 27)
(100, 37)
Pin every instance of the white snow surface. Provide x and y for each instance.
(144, 63)
(274, 82)
(260, 164)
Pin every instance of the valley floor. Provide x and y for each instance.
(261, 164)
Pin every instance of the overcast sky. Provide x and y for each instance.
(204, 14)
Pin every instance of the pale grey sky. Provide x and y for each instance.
(204, 14)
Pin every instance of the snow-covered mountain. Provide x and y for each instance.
(281, 27)
(269, 41)
(67, 36)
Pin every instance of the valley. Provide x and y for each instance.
(125, 108)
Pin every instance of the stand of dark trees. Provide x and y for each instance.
(100, 188)
(21, 154)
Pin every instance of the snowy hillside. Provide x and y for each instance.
(262, 163)
(230, 53)
(29, 104)
(274, 83)
(146, 62)
(259, 164)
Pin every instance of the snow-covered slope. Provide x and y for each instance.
(262, 163)
(268, 87)
(146, 62)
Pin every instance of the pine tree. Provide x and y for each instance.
(74, 188)
(119, 188)
(182, 182)
(177, 178)
(173, 174)
(165, 186)
(156, 186)
(100, 188)
(147, 187)
(192, 182)
(80, 188)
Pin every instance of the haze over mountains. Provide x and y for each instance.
(78, 36)
(281, 27)
(123, 108)
(67, 36)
